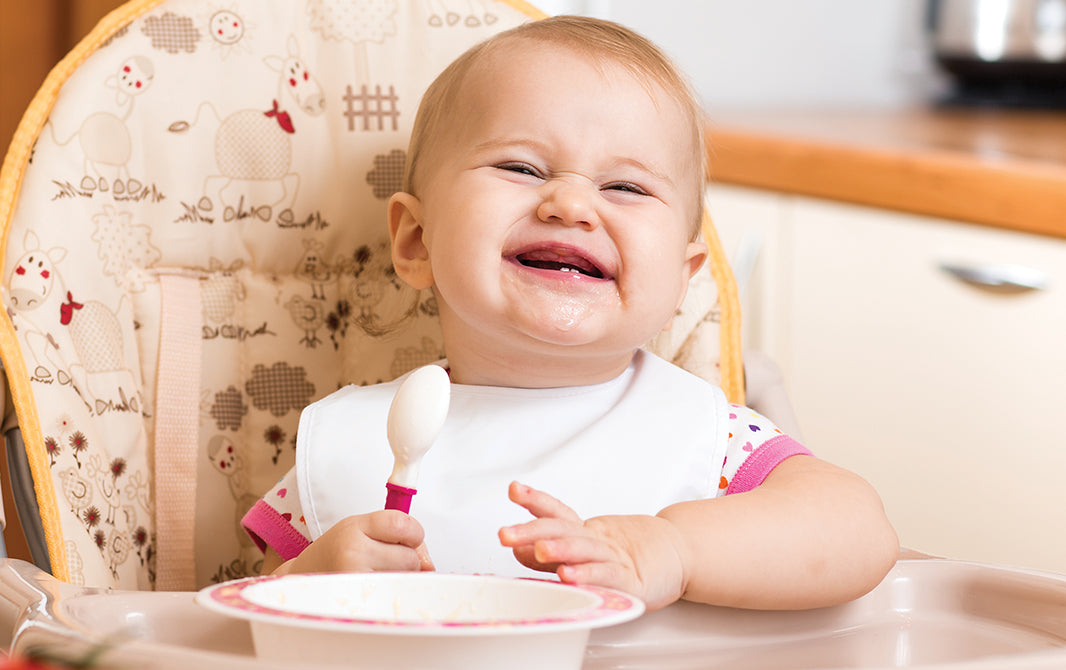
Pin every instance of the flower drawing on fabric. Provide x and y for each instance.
(275, 437)
(337, 322)
(142, 544)
(51, 446)
(64, 424)
(91, 516)
(78, 444)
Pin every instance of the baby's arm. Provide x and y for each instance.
(379, 541)
(810, 535)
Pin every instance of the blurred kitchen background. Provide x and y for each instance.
(808, 53)
(794, 53)
(755, 53)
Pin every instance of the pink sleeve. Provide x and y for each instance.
(268, 527)
(765, 458)
(276, 520)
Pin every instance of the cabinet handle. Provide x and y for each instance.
(1003, 278)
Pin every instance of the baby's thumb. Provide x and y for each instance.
(424, 561)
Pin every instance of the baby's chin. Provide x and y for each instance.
(564, 315)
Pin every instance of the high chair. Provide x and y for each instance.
(193, 249)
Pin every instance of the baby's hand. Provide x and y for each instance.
(636, 554)
(379, 541)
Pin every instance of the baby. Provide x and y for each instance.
(552, 202)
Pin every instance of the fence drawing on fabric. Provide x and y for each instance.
(371, 106)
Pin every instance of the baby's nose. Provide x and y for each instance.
(570, 203)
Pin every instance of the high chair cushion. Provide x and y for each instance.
(195, 249)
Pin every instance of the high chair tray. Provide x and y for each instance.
(928, 613)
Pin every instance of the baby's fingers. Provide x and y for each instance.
(607, 575)
(393, 527)
(587, 560)
(544, 544)
(537, 530)
(539, 503)
(364, 543)
(425, 563)
(573, 550)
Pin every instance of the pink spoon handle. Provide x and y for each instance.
(399, 497)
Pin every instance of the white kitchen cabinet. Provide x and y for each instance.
(946, 396)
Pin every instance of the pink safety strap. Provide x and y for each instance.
(177, 431)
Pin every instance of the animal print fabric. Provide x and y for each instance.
(250, 144)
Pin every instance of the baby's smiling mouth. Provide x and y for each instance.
(561, 259)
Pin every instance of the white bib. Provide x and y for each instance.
(651, 437)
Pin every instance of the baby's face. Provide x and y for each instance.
(558, 209)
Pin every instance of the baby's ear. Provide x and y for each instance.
(695, 256)
(410, 256)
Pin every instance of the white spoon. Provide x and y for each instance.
(416, 417)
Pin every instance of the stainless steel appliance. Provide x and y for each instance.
(1008, 52)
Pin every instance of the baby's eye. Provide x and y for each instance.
(625, 186)
(520, 168)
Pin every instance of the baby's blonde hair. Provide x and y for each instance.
(603, 41)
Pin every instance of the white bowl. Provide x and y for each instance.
(420, 620)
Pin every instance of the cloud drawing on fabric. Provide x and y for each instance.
(172, 33)
(279, 388)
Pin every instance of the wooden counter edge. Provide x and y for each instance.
(1010, 194)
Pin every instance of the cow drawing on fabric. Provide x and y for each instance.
(253, 147)
(58, 316)
(103, 135)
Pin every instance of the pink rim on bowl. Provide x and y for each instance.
(607, 607)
